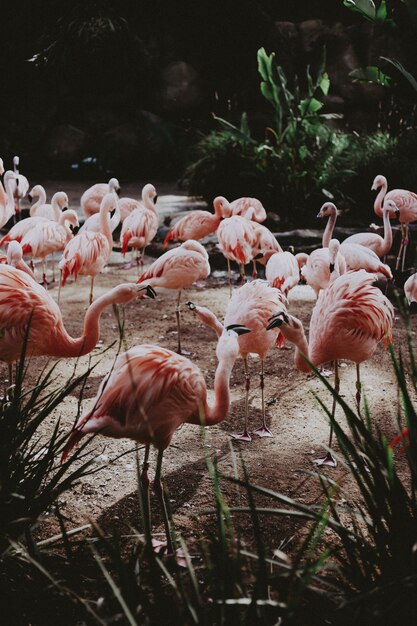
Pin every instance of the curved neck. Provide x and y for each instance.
(379, 200)
(328, 232)
(387, 245)
(56, 209)
(115, 219)
(218, 210)
(41, 200)
(301, 351)
(148, 202)
(209, 319)
(105, 225)
(218, 411)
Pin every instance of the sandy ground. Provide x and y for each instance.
(298, 424)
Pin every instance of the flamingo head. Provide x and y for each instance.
(114, 186)
(70, 217)
(290, 326)
(392, 208)
(410, 291)
(222, 206)
(379, 181)
(35, 192)
(14, 253)
(61, 199)
(327, 209)
(149, 191)
(228, 344)
(191, 306)
(126, 292)
(1, 167)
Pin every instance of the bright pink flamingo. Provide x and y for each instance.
(140, 226)
(251, 306)
(404, 207)
(92, 198)
(48, 237)
(282, 271)
(197, 224)
(178, 269)
(148, 394)
(21, 185)
(149, 198)
(249, 208)
(237, 239)
(51, 211)
(7, 210)
(14, 257)
(348, 321)
(88, 252)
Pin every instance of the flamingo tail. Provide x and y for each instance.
(73, 440)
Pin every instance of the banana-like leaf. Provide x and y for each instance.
(370, 74)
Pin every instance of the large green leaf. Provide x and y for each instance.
(365, 7)
(309, 106)
(370, 74)
(411, 79)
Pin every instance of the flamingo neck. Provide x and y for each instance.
(387, 245)
(8, 209)
(302, 352)
(57, 210)
(328, 232)
(218, 210)
(115, 219)
(105, 225)
(148, 202)
(41, 200)
(209, 319)
(379, 199)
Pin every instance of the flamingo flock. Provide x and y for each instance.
(150, 391)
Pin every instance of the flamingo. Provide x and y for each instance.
(249, 208)
(21, 184)
(237, 239)
(265, 245)
(93, 223)
(349, 320)
(317, 272)
(410, 289)
(3, 196)
(14, 257)
(197, 224)
(141, 225)
(7, 210)
(51, 211)
(149, 393)
(48, 237)
(88, 252)
(282, 271)
(178, 269)
(149, 198)
(19, 230)
(404, 207)
(251, 306)
(27, 312)
(93, 196)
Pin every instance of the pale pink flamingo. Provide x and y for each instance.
(237, 239)
(19, 230)
(302, 258)
(149, 393)
(251, 306)
(48, 237)
(265, 245)
(140, 226)
(3, 196)
(51, 211)
(249, 208)
(348, 321)
(410, 289)
(178, 269)
(316, 272)
(27, 312)
(93, 223)
(14, 257)
(7, 210)
(148, 201)
(197, 224)
(88, 252)
(92, 198)
(282, 271)
(404, 207)
(21, 185)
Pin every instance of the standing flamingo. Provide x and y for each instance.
(92, 198)
(348, 321)
(282, 271)
(48, 237)
(140, 226)
(251, 306)
(178, 269)
(197, 224)
(149, 198)
(21, 185)
(249, 208)
(93, 223)
(148, 394)
(236, 242)
(88, 252)
(7, 210)
(265, 245)
(404, 207)
(14, 257)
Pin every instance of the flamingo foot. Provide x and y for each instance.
(244, 436)
(128, 266)
(263, 431)
(160, 547)
(183, 352)
(325, 373)
(328, 460)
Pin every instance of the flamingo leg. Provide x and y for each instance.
(160, 492)
(178, 316)
(397, 264)
(255, 271)
(60, 286)
(242, 274)
(358, 388)
(245, 436)
(44, 281)
(329, 459)
(144, 478)
(91, 290)
(229, 272)
(406, 241)
(263, 431)
(53, 269)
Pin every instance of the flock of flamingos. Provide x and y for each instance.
(150, 390)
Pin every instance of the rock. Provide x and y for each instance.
(65, 143)
(181, 87)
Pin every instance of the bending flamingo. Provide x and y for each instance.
(265, 245)
(282, 271)
(92, 198)
(348, 321)
(249, 208)
(237, 239)
(141, 225)
(149, 198)
(7, 210)
(251, 306)
(149, 393)
(410, 289)
(197, 224)
(21, 185)
(14, 257)
(88, 252)
(178, 269)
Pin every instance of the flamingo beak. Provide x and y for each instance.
(155, 199)
(64, 208)
(118, 191)
(331, 268)
(319, 215)
(238, 329)
(191, 306)
(150, 292)
(30, 198)
(397, 213)
(278, 320)
(112, 212)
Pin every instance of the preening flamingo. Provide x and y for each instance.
(14, 257)
(51, 211)
(178, 269)
(148, 201)
(348, 321)
(148, 394)
(7, 210)
(236, 242)
(404, 207)
(141, 225)
(251, 306)
(282, 271)
(48, 236)
(249, 208)
(92, 198)
(21, 184)
(88, 252)
(24, 303)
(197, 224)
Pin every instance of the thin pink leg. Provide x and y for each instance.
(245, 436)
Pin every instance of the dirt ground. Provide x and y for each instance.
(298, 424)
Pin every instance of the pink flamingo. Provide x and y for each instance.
(88, 252)
(197, 224)
(7, 210)
(410, 289)
(251, 306)
(141, 225)
(149, 198)
(148, 394)
(282, 271)
(14, 257)
(3, 196)
(178, 269)
(317, 271)
(404, 207)
(92, 198)
(237, 239)
(21, 185)
(93, 223)
(48, 237)
(249, 208)
(51, 211)
(265, 245)
(348, 321)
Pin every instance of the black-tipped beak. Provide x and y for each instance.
(238, 329)
(64, 208)
(397, 213)
(319, 215)
(150, 292)
(331, 268)
(155, 199)
(112, 212)
(30, 198)
(17, 182)
(277, 320)
(191, 306)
